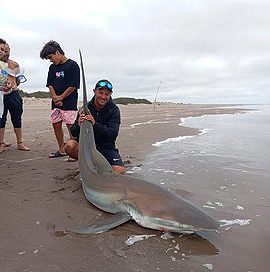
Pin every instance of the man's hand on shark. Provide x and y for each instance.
(84, 117)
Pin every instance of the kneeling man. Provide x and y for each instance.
(105, 117)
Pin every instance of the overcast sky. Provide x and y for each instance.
(202, 51)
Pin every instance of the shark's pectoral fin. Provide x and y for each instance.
(107, 224)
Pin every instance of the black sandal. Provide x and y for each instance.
(57, 154)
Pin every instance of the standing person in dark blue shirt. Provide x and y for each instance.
(105, 117)
(63, 81)
(13, 102)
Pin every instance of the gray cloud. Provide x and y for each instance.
(202, 51)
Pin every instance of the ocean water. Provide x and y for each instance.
(231, 142)
(224, 170)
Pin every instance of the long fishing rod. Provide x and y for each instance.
(155, 101)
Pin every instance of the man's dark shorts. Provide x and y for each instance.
(112, 156)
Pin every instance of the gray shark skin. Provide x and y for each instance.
(150, 205)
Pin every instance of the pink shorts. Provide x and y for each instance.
(66, 116)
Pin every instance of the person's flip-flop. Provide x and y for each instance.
(57, 154)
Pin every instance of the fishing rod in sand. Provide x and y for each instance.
(155, 101)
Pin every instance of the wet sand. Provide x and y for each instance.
(40, 197)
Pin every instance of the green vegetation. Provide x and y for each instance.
(119, 100)
(129, 100)
(35, 94)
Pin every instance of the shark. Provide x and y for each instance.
(126, 197)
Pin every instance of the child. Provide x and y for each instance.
(63, 82)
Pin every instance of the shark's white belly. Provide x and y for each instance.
(105, 201)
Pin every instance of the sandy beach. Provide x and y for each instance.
(41, 197)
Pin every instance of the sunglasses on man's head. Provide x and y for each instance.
(21, 78)
(104, 84)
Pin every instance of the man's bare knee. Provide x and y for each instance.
(71, 148)
(57, 125)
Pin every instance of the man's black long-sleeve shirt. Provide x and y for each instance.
(106, 127)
